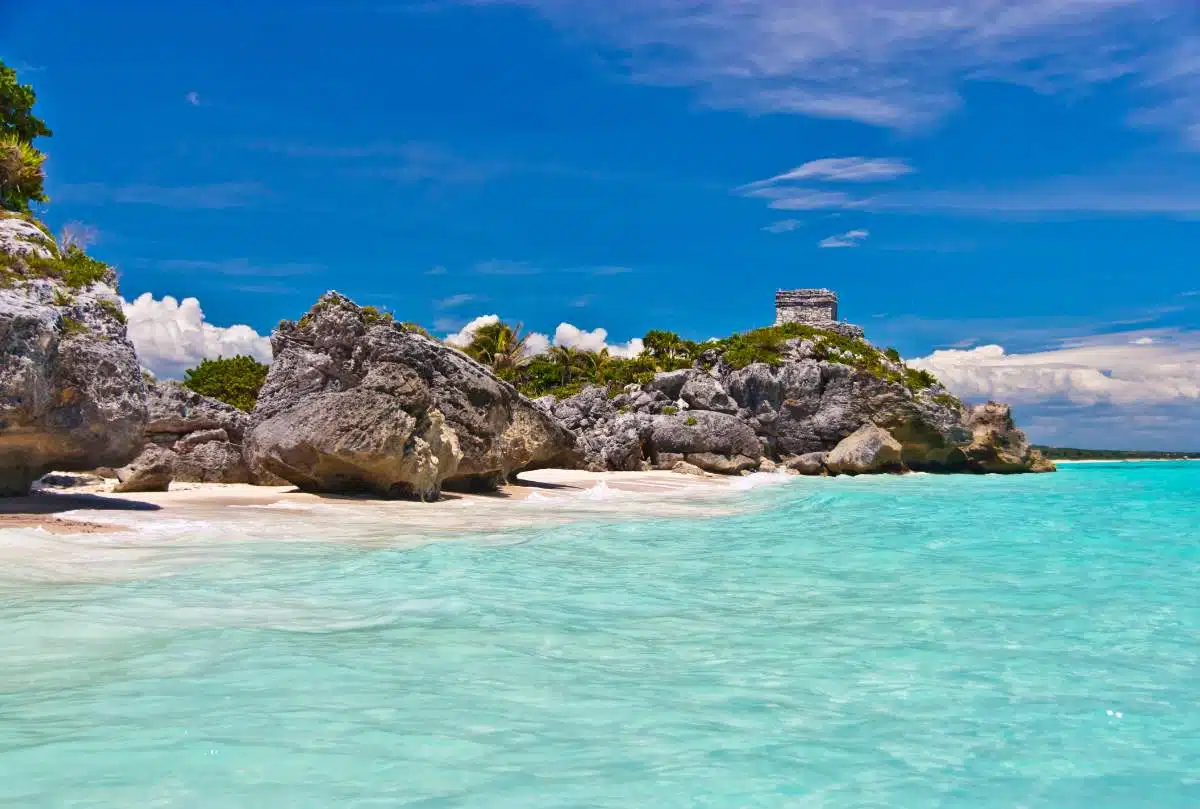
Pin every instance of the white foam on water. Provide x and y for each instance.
(757, 480)
(601, 492)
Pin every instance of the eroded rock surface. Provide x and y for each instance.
(356, 401)
(71, 392)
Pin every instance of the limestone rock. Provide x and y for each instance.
(71, 391)
(151, 471)
(685, 468)
(998, 446)
(19, 237)
(702, 392)
(867, 449)
(354, 400)
(212, 461)
(670, 383)
(810, 463)
(722, 464)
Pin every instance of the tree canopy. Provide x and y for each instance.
(232, 380)
(21, 174)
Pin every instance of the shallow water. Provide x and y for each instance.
(913, 641)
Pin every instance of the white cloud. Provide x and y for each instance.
(572, 336)
(1120, 370)
(462, 338)
(171, 336)
(844, 169)
(565, 335)
(193, 98)
(896, 64)
(783, 226)
(851, 238)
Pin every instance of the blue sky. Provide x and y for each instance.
(1023, 174)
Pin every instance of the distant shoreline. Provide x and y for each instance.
(1122, 460)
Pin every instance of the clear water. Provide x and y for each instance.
(886, 642)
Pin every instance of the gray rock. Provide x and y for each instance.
(704, 431)
(71, 392)
(810, 463)
(867, 449)
(19, 237)
(767, 465)
(722, 464)
(193, 440)
(685, 468)
(670, 383)
(212, 461)
(357, 401)
(173, 409)
(702, 392)
(755, 387)
(68, 480)
(151, 471)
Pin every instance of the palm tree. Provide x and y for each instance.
(499, 346)
(598, 364)
(568, 359)
(21, 174)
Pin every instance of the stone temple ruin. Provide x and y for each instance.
(812, 307)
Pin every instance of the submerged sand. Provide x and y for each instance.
(95, 509)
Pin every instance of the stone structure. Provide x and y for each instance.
(814, 307)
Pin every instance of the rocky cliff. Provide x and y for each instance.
(71, 392)
(805, 407)
(357, 401)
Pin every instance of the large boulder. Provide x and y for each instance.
(867, 449)
(998, 446)
(205, 434)
(151, 471)
(702, 392)
(715, 442)
(72, 395)
(355, 400)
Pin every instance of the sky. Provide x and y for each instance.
(1007, 191)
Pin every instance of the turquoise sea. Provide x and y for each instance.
(902, 642)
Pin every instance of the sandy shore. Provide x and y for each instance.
(96, 509)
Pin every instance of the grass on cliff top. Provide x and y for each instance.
(769, 345)
(76, 269)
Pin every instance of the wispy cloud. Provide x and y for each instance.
(455, 301)
(505, 267)
(193, 98)
(438, 270)
(783, 226)
(242, 267)
(851, 238)
(211, 196)
(889, 64)
(845, 170)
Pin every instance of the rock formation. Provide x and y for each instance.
(824, 405)
(356, 401)
(71, 392)
(204, 435)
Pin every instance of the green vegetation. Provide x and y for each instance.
(63, 298)
(1072, 454)
(113, 308)
(233, 380)
(691, 421)
(670, 410)
(72, 327)
(563, 371)
(21, 173)
(416, 328)
(373, 314)
(76, 269)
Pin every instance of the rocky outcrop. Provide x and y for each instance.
(71, 392)
(204, 434)
(355, 400)
(997, 445)
(796, 412)
(867, 449)
(21, 237)
(151, 471)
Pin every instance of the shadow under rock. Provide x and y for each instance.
(47, 502)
